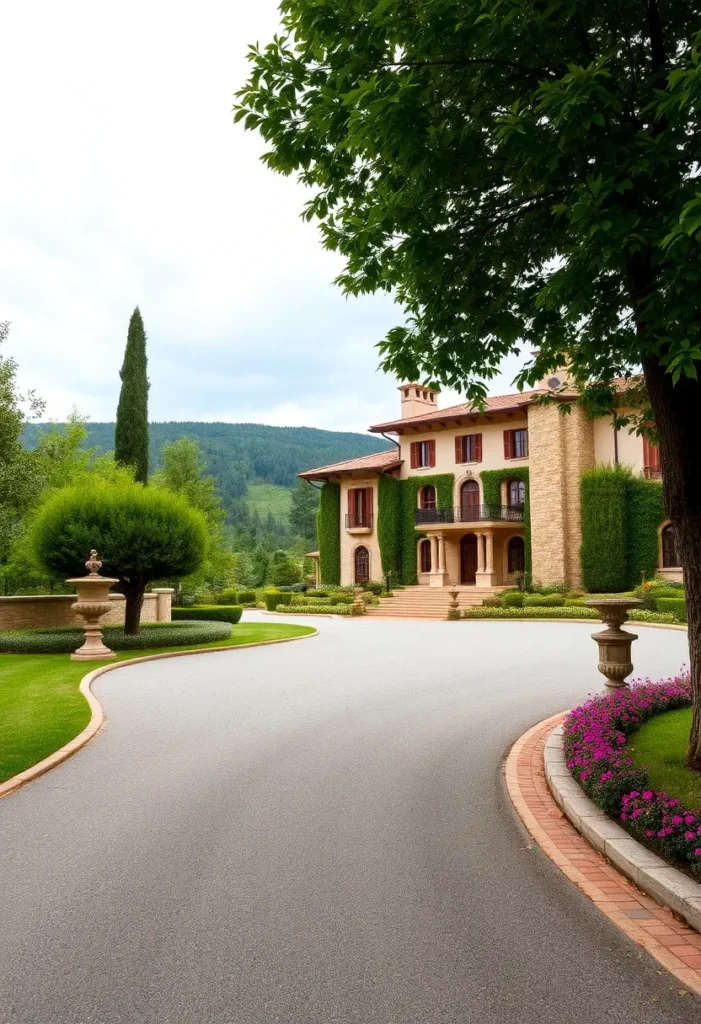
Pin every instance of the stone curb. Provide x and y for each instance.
(585, 622)
(652, 874)
(97, 716)
(307, 615)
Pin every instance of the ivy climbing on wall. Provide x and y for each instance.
(492, 479)
(389, 523)
(328, 530)
(443, 482)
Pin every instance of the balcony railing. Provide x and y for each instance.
(359, 521)
(652, 473)
(470, 514)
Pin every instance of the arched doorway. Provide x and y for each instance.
(468, 559)
(670, 558)
(362, 565)
(469, 501)
(425, 556)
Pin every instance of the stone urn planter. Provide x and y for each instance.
(93, 593)
(615, 643)
(358, 603)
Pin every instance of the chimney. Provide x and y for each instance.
(417, 399)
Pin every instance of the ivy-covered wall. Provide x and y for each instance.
(604, 551)
(389, 523)
(443, 482)
(328, 531)
(621, 515)
(492, 479)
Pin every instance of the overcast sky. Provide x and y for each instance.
(126, 182)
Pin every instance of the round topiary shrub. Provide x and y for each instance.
(66, 639)
(141, 533)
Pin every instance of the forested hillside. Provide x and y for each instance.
(239, 454)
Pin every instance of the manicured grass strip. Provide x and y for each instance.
(661, 744)
(41, 708)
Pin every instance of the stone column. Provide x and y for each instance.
(164, 602)
(490, 552)
(486, 576)
(480, 553)
(439, 576)
(434, 554)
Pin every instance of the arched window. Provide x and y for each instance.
(428, 497)
(516, 555)
(670, 559)
(516, 493)
(425, 555)
(362, 565)
(469, 501)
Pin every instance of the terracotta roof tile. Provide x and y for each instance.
(494, 404)
(380, 462)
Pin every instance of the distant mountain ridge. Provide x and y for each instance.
(241, 453)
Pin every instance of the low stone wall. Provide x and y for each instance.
(40, 610)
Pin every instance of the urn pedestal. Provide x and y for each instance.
(93, 601)
(615, 662)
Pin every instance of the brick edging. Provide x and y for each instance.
(651, 873)
(653, 927)
(97, 716)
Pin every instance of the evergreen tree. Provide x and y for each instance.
(305, 502)
(131, 430)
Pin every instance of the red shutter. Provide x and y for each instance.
(478, 447)
(508, 444)
(651, 454)
(432, 452)
(414, 454)
(459, 449)
(368, 502)
(352, 501)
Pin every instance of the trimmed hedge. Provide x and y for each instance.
(538, 612)
(246, 597)
(273, 598)
(604, 551)
(328, 530)
(675, 605)
(444, 483)
(621, 516)
(645, 513)
(209, 613)
(321, 609)
(66, 639)
(543, 601)
(492, 480)
(389, 523)
(227, 597)
(513, 600)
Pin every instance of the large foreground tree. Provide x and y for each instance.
(131, 428)
(520, 175)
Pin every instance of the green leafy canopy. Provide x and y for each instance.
(519, 175)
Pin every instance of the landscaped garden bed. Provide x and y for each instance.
(613, 774)
(42, 709)
(66, 639)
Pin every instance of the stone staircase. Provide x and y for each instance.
(426, 602)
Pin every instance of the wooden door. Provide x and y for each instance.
(468, 559)
(362, 565)
(469, 501)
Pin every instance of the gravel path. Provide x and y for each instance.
(317, 833)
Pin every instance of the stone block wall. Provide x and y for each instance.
(45, 610)
(561, 448)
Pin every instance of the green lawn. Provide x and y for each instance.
(41, 708)
(269, 498)
(661, 745)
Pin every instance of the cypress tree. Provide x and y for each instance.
(131, 430)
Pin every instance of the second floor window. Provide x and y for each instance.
(516, 493)
(423, 454)
(468, 448)
(516, 444)
(360, 507)
(428, 497)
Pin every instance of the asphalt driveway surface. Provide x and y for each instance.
(314, 833)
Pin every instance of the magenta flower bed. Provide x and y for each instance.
(594, 741)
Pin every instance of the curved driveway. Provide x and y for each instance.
(316, 833)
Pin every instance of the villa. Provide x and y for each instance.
(475, 498)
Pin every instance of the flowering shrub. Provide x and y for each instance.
(594, 742)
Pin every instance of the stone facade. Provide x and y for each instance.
(561, 446)
(47, 610)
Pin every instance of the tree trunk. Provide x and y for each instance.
(132, 612)
(677, 410)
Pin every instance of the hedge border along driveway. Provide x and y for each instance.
(44, 707)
